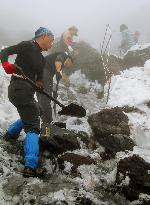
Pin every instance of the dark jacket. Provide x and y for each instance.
(48, 74)
(31, 60)
(50, 64)
(62, 46)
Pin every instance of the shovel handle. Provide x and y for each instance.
(53, 99)
(36, 87)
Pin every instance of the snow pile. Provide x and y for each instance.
(78, 79)
(89, 99)
(7, 110)
(147, 67)
(131, 88)
(139, 47)
(73, 123)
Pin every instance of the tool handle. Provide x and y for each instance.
(36, 87)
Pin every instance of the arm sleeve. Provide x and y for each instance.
(40, 70)
(58, 77)
(16, 49)
(39, 75)
(60, 58)
(67, 39)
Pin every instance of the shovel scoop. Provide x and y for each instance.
(73, 110)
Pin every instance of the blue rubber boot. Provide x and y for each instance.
(31, 150)
(15, 129)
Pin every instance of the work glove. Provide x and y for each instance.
(39, 86)
(9, 68)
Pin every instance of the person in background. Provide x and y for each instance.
(128, 39)
(136, 37)
(55, 63)
(66, 43)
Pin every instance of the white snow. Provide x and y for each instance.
(68, 166)
(131, 87)
(147, 67)
(89, 178)
(8, 112)
(139, 47)
(73, 123)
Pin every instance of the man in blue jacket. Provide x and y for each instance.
(128, 39)
(21, 93)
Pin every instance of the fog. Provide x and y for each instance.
(19, 19)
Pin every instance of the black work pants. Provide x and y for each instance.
(21, 95)
(44, 101)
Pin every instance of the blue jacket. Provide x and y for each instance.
(128, 40)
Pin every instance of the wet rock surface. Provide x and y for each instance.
(89, 60)
(148, 104)
(36, 191)
(86, 178)
(58, 140)
(83, 137)
(109, 121)
(59, 187)
(128, 109)
(116, 143)
(134, 171)
(136, 57)
(76, 160)
(73, 110)
(111, 130)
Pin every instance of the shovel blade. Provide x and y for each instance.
(73, 110)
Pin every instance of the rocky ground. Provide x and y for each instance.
(101, 159)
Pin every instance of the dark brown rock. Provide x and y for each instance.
(109, 121)
(129, 109)
(111, 130)
(58, 140)
(136, 58)
(83, 136)
(82, 200)
(138, 172)
(89, 61)
(148, 104)
(115, 143)
(76, 160)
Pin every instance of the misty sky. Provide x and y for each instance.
(20, 18)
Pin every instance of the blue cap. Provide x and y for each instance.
(41, 31)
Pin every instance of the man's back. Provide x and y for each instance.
(52, 58)
(128, 38)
